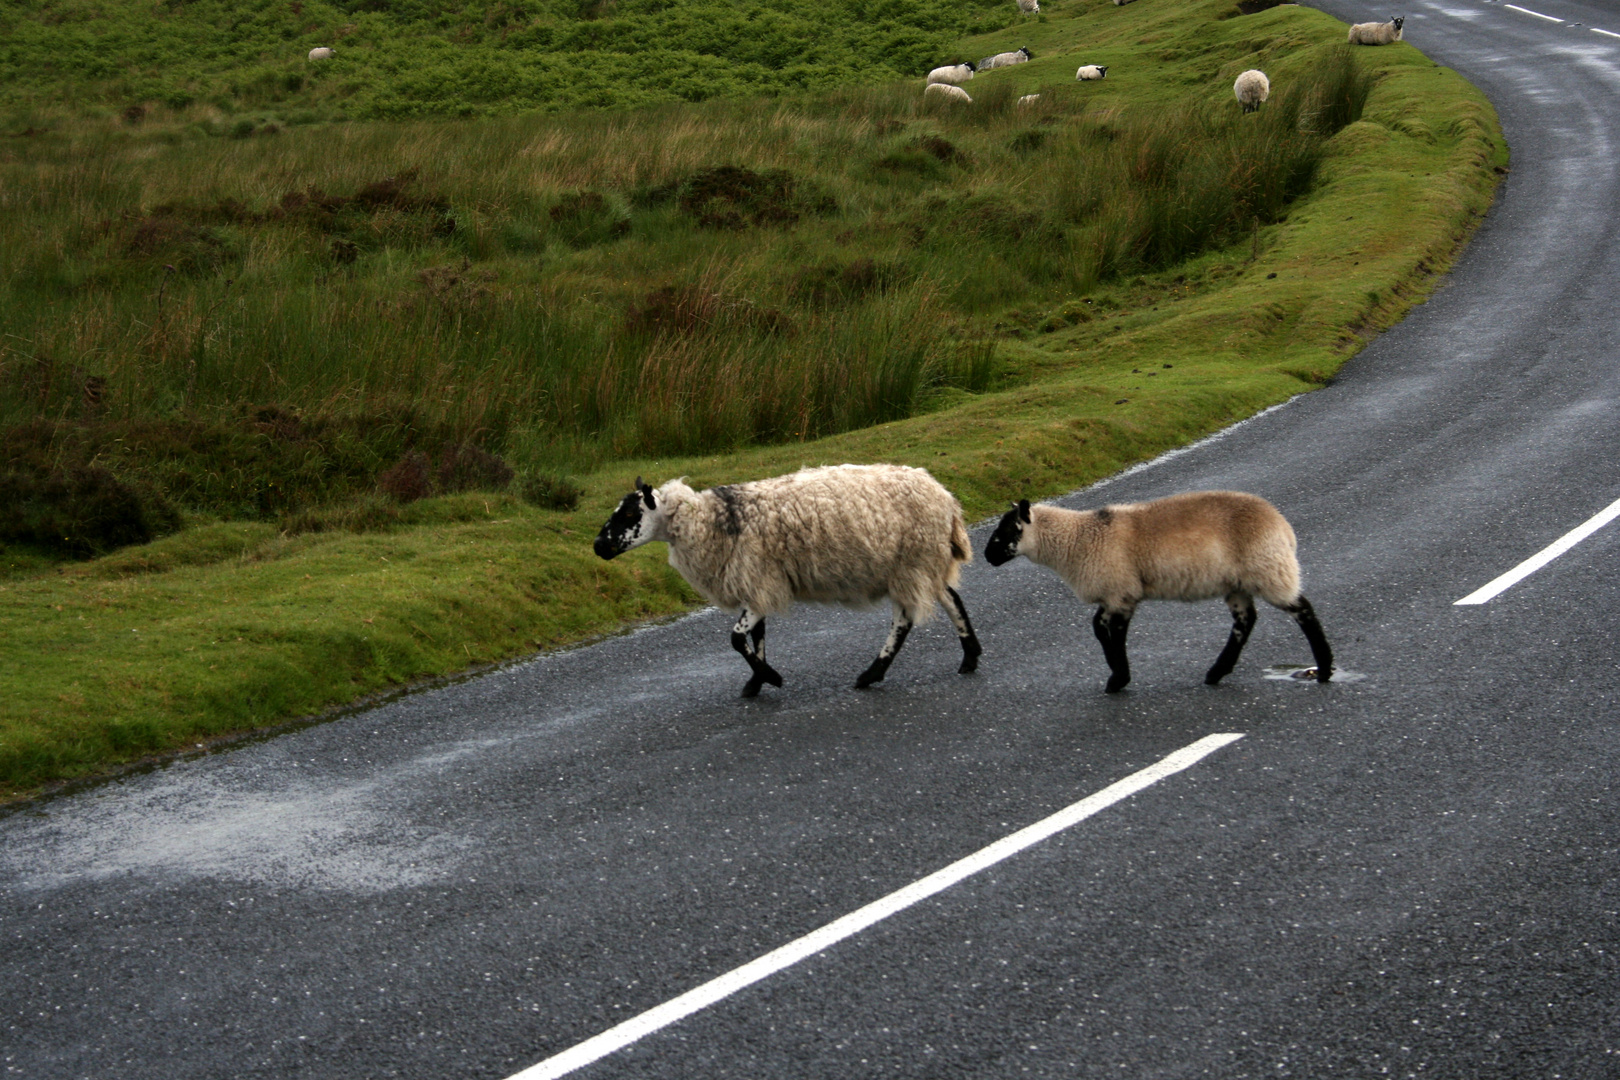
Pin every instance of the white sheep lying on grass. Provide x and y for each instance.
(320, 52)
(1007, 59)
(1252, 88)
(1091, 72)
(1377, 33)
(950, 93)
(1196, 546)
(1028, 99)
(951, 73)
(843, 534)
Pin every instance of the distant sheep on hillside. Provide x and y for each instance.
(320, 53)
(1374, 33)
(1252, 88)
(948, 92)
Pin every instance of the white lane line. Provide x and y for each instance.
(1605, 33)
(1537, 14)
(1544, 556)
(637, 1027)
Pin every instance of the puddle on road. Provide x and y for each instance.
(1306, 673)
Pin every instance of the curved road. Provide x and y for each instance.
(1413, 873)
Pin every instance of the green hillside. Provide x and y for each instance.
(412, 58)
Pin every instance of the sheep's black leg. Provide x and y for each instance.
(1305, 616)
(748, 638)
(971, 649)
(897, 637)
(1243, 616)
(1110, 628)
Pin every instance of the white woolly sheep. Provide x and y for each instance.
(945, 90)
(1030, 7)
(952, 73)
(1377, 33)
(1252, 88)
(1006, 59)
(1028, 99)
(1197, 546)
(320, 53)
(1091, 72)
(842, 534)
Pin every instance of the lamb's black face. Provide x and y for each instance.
(623, 529)
(1003, 545)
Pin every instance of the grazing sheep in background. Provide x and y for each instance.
(1030, 7)
(1091, 72)
(1121, 3)
(1377, 33)
(1252, 88)
(843, 534)
(1028, 99)
(952, 73)
(1006, 59)
(1197, 546)
(945, 90)
(320, 53)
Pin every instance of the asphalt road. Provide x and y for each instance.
(1412, 873)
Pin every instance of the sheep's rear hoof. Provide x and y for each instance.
(1214, 678)
(868, 678)
(1116, 683)
(970, 664)
(1324, 674)
(751, 687)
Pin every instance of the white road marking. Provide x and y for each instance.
(1605, 33)
(661, 1016)
(1537, 14)
(1544, 556)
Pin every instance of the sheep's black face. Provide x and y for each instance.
(1003, 545)
(1398, 22)
(623, 530)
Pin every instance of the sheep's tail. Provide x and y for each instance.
(961, 545)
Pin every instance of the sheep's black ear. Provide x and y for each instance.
(647, 497)
(1023, 510)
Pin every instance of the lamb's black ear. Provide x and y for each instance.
(1023, 510)
(647, 497)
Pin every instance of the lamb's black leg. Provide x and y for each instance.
(1110, 628)
(971, 649)
(1243, 616)
(748, 638)
(1305, 616)
(897, 637)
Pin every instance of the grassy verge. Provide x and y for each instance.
(224, 628)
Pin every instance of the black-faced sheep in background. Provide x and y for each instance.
(1196, 546)
(1376, 33)
(843, 534)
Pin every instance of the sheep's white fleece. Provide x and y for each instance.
(1375, 33)
(844, 534)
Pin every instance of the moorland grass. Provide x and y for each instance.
(231, 626)
(575, 289)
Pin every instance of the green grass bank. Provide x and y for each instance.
(1071, 372)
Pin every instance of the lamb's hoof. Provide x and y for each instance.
(1214, 678)
(1324, 674)
(771, 676)
(751, 687)
(867, 678)
(970, 664)
(1116, 684)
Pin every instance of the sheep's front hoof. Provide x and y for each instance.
(751, 687)
(1214, 678)
(970, 664)
(1116, 683)
(1324, 674)
(770, 675)
(867, 678)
